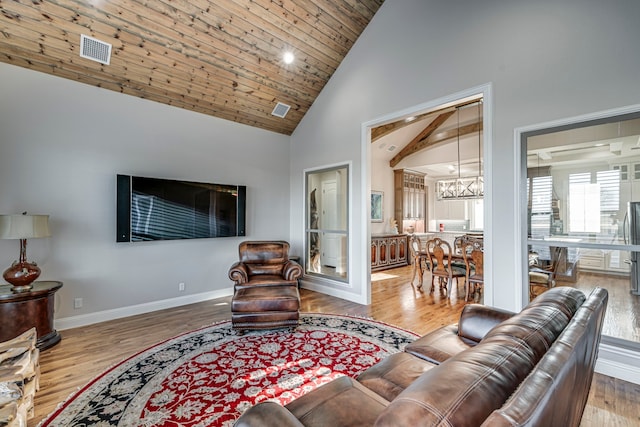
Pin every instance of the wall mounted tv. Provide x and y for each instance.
(163, 209)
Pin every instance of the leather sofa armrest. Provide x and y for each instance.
(292, 270)
(267, 414)
(239, 273)
(476, 320)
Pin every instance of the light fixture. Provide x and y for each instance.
(22, 273)
(288, 57)
(471, 187)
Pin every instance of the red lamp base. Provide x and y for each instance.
(21, 275)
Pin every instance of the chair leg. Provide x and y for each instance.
(415, 270)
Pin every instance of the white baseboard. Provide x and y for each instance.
(618, 362)
(132, 310)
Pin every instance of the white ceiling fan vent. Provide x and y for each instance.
(95, 49)
(280, 110)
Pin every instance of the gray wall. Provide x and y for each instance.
(545, 60)
(62, 144)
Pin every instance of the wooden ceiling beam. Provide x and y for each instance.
(433, 139)
(414, 145)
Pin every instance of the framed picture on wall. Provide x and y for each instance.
(376, 206)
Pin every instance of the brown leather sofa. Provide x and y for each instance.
(265, 292)
(493, 368)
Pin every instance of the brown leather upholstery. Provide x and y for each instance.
(475, 321)
(266, 288)
(494, 368)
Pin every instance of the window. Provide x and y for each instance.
(593, 205)
(584, 204)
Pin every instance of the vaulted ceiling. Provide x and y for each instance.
(223, 58)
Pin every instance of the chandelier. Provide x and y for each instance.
(470, 187)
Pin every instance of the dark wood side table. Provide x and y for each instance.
(21, 311)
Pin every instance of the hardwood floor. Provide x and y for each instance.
(85, 352)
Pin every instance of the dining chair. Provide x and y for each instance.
(440, 259)
(419, 257)
(543, 275)
(474, 262)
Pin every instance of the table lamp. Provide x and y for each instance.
(23, 227)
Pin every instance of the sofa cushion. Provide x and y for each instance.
(342, 402)
(439, 345)
(470, 385)
(393, 374)
(475, 321)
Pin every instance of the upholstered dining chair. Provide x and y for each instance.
(462, 240)
(543, 275)
(265, 291)
(474, 266)
(420, 257)
(440, 259)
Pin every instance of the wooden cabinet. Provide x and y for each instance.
(410, 200)
(21, 311)
(388, 251)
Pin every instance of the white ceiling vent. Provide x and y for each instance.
(280, 110)
(95, 49)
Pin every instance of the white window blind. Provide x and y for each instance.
(541, 195)
(609, 190)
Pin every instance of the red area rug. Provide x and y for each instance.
(210, 376)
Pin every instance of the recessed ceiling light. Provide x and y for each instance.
(410, 119)
(288, 57)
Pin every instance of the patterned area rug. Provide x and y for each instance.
(210, 376)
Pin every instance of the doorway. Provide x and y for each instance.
(380, 175)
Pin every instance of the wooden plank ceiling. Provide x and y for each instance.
(218, 57)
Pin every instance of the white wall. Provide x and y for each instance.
(62, 144)
(546, 60)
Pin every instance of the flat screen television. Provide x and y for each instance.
(162, 209)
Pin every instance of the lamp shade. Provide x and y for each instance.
(24, 226)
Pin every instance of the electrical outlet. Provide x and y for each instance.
(181, 286)
(77, 303)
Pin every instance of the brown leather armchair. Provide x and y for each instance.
(266, 287)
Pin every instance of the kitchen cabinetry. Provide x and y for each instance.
(592, 259)
(410, 200)
(388, 251)
(610, 261)
(451, 209)
(628, 171)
